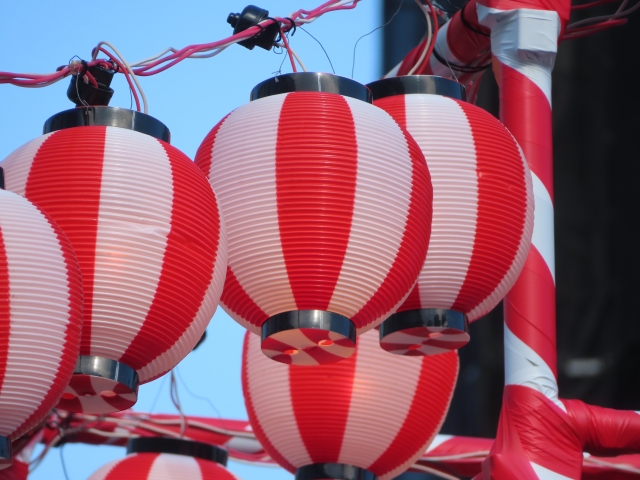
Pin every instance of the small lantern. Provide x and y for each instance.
(144, 224)
(161, 458)
(368, 417)
(327, 203)
(482, 213)
(40, 317)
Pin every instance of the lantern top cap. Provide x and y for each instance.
(178, 446)
(416, 84)
(311, 82)
(108, 117)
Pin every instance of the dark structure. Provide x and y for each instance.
(597, 207)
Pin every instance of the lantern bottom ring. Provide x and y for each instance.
(178, 446)
(6, 457)
(426, 331)
(100, 385)
(333, 470)
(308, 337)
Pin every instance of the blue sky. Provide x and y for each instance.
(37, 36)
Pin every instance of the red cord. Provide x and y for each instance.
(286, 45)
(126, 74)
(592, 29)
(592, 4)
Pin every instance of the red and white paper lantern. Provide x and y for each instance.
(167, 459)
(145, 226)
(373, 414)
(40, 317)
(327, 203)
(482, 213)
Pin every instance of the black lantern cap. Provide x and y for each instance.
(108, 117)
(85, 93)
(337, 471)
(178, 446)
(251, 16)
(311, 82)
(408, 84)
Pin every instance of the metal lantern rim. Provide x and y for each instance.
(337, 471)
(312, 82)
(178, 446)
(417, 84)
(103, 116)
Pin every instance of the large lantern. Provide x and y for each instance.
(167, 459)
(40, 317)
(369, 416)
(327, 203)
(145, 226)
(482, 213)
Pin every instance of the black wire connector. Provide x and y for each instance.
(250, 17)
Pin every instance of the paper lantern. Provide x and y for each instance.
(145, 226)
(369, 416)
(327, 203)
(167, 459)
(482, 213)
(40, 317)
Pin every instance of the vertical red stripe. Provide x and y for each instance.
(396, 106)
(204, 155)
(433, 394)
(502, 207)
(235, 299)
(188, 263)
(212, 471)
(251, 412)
(137, 466)
(65, 181)
(316, 170)
(413, 246)
(5, 309)
(322, 419)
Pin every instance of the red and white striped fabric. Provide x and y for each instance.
(375, 411)
(327, 203)
(482, 215)
(162, 466)
(40, 314)
(145, 226)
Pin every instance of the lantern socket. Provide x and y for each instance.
(250, 17)
(84, 93)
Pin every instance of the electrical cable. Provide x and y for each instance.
(353, 65)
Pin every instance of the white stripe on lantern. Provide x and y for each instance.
(169, 467)
(244, 177)
(519, 260)
(437, 441)
(283, 430)
(442, 130)
(358, 446)
(35, 301)
(167, 360)
(22, 158)
(133, 224)
(381, 207)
